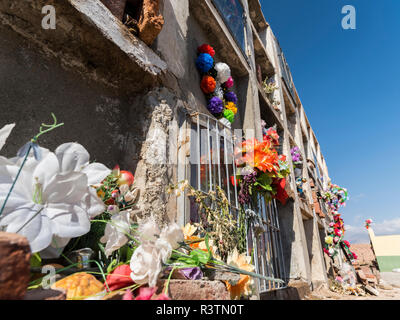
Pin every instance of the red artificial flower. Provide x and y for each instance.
(205, 48)
(272, 136)
(233, 181)
(208, 84)
(346, 243)
(281, 194)
(119, 278)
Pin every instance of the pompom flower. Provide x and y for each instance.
(208, 84)
(215, 105)
(231, 106)
(229, 83)
(219, 92)
(228, 114)
(224, 72)
(205, 48)
(231, 97)
(204, 62)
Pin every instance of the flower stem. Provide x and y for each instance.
(168, 281)
(15, 180)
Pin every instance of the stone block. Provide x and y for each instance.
(46, 294)
(195, 290)
(15, 257)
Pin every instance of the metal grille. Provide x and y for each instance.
(212, 163)
(211, 157)
(286, 74)
(266, 249)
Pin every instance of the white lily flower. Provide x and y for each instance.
(44, 203)
(4, 133)
(115, 232)
(74, 157)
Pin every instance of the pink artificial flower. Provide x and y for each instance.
(336, 239)
(146, 293)
(163, 296)
(229, 83)
(128, 295)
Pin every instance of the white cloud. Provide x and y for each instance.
(359, 234)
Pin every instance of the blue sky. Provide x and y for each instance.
(348, 83)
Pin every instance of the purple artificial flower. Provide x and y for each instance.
(231, 97)
(215, 105)
(192, 273)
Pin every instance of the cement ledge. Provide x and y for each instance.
(88, 39)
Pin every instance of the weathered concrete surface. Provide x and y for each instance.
(15, 257)
(32, 86)
(117, 7)
(152, 152)
(98, 46)
(296, 290)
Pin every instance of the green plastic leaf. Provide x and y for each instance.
(36, 260)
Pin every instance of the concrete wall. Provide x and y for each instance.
(33, 85)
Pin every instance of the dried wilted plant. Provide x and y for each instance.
(217, 218)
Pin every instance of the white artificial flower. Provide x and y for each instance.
(173, 235)
(219, 92)
(224, 72)
(74, 157)
(146, 261)
(148, 230)
(116, 231)
(155, 249)
(44, 202)
(4, 133)
(129, 196)
(51, 203)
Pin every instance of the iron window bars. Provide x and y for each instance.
(212, 163)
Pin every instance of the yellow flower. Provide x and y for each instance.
(243, 287)
(231, 106)
(189, 230)
(213, 248)
(328, 240)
